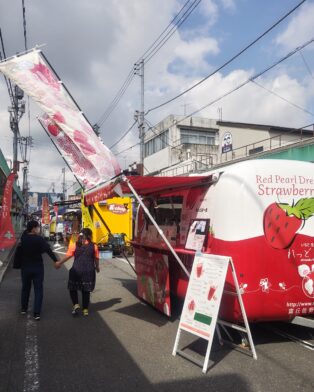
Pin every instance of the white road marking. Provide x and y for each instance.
(31, 375)
(62, 253)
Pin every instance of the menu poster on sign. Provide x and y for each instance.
(203, 297)
(197, 234)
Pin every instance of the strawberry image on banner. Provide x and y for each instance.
(90, 160)
(7, 237)
(282, 221)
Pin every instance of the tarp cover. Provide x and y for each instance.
(144, 186)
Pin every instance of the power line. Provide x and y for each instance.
(149, 53)
(306, 65)
(237, 88)
(229, 61)
(248, 80)
(24, 25)
(124, 135)
(116, 99)
(127, 149)
(7, 81)
(164, 31)
(173, 30)
(152, 127)
(284, 99)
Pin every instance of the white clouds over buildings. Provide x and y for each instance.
(94, 44)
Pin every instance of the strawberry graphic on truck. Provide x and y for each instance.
(282, 221)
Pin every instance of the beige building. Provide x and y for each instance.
(179, 146)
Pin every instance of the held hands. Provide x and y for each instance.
(58, 264)
(97, 268)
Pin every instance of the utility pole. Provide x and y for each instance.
(25, 143)
(63, 184)
(16, 112)
(139, 70)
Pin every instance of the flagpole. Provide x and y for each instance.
(35, 49)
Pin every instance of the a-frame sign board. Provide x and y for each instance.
(201, 306)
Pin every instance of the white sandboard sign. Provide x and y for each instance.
(203, 297)
(202, 302)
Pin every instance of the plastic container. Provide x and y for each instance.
(105, 254)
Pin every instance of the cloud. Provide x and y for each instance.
(299, 30)
(252, 103)
(94, 45)
(190, 57)
(229, 4)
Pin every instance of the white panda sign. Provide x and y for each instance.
(227, 142)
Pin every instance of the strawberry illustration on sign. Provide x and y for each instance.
(282, 221)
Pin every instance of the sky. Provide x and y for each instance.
(93, 45)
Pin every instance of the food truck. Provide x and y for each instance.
(110, 221)
(258, 212)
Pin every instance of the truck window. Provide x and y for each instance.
(166, 210)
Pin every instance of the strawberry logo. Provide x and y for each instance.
(282, 221)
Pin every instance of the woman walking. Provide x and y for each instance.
(82, 275)
(32, 266)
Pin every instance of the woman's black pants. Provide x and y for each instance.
(32, 274)
(85, 298)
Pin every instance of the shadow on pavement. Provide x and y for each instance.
(99, 306)
(87, 354)
(144, 312)
(129, 284)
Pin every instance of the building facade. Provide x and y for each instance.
(179, 145)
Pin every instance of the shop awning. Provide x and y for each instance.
(144, 185)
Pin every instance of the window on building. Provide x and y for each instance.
(191, 136)
(157, 143)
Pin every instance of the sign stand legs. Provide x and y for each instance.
(176, 343)
(246, 328)
(219, 324)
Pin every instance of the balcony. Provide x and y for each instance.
(198, 151)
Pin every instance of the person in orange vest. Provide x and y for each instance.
(82, 276)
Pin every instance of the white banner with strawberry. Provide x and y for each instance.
(90, 160)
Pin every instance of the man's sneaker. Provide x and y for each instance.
(85, 312)
(23, 311)
(75, 310)
(36, 316)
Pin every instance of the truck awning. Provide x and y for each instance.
(144, 185)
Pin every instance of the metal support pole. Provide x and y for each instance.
(63, 183)
(160, 232)
(142, 119)
(140, 115)
(15, 157)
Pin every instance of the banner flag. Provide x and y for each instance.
(7, 236)
(90, 160)
(45, 211)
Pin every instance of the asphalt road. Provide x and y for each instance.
(124, 345)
